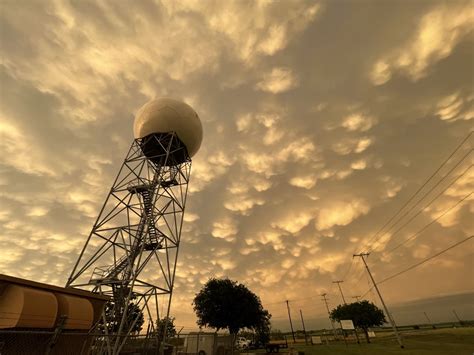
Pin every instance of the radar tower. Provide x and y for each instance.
(132, 251)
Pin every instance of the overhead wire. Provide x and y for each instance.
(377, 236)
(348, 270)
(366, 292)
(425, 260)
(429, 224)
(418, 264)
(419, 190)
(292, 300)
(423, 197)
(419, 212)
(361, 273)
(357, 275)
(433, 221)
(429, 203)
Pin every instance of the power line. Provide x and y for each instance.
(414, 236)
(418, 264)
(340, 289)
(423, 197)
(349, 269)
(429, 224)
(303, 299)
(434, 199)
(366, 292)
(419, 189)
(370, 290)
(292, 300)
(358, 274)
(389, 315)
(426, 260)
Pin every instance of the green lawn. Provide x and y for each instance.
(458, 341)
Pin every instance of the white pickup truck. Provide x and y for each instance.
(242, 343)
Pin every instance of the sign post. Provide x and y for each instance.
(348, 324)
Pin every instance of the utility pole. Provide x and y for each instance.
(456, 315)
(340, 289)
(304, 329)
(356, 297)
(291, 324)
(390, 318)
(329, 314)
(429, 320)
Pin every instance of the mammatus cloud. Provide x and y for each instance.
(264, 33)
(351, 145)
(341, 213)
(437, 34)
(454, 107)
(306, 182)
(293, 223)
(225, 228)
(358, 122)
(312, 138)
(277, 81)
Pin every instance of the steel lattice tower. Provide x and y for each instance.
(132, 250)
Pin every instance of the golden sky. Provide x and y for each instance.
(320, 118)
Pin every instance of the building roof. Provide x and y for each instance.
(43, 286)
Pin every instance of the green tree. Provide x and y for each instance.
(262, 331)
(168, 323)
(227, 304)
(133, 319)
(363, 314)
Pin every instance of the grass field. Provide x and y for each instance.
(459, 341)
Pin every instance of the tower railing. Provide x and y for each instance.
(138, 231)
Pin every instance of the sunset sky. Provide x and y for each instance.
(320, 120)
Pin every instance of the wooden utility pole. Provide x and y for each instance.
(340, 289)
(291, 324)
(329, 314)
(390, 318)
(304, 329)
(429, 320)
(456, 315)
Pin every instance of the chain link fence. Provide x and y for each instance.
(43, 342)
(37, 342)
(28, 342)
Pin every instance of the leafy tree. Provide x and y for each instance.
(226, 304)
(167, 322)
(114, 317)
(262, 331)
(363, 314)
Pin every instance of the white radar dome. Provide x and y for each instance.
(168, 115)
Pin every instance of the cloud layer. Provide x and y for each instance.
(320, 120)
